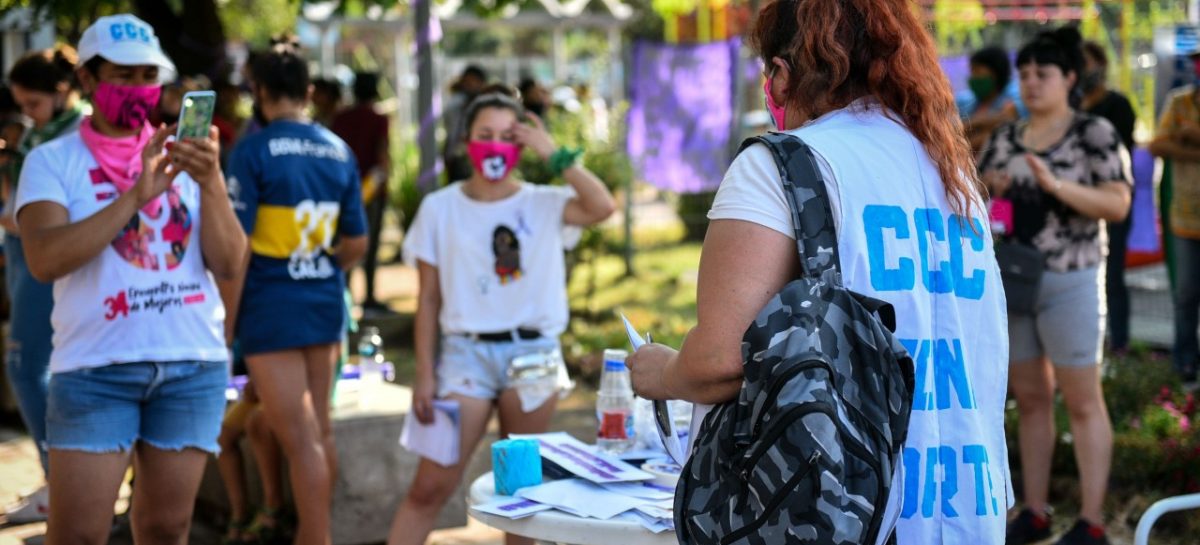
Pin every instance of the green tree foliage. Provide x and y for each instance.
(190, 30)
(70, 17)
(255, 21)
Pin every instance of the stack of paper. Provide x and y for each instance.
(647, 505)
(603, 487)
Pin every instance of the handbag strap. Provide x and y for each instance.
(808, 201)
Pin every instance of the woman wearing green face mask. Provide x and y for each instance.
(990, 74)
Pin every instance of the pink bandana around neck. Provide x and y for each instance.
(120, 159)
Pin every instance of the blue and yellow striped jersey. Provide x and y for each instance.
(295, 188)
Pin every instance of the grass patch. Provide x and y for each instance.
(660, 298)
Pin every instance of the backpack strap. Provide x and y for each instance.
(812, 217)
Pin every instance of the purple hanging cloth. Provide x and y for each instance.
(681, 113)
(1143, 226)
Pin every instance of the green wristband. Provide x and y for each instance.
(563, 158)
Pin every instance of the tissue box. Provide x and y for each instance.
(516, 463)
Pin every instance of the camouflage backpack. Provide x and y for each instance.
(806, 452)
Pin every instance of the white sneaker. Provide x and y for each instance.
(32, 508)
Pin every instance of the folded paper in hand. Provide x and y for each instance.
(437, 441)
(662, 414)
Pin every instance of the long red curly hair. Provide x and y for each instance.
(843, 50)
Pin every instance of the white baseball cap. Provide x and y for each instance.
(125, 40)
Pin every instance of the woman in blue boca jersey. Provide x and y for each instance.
(298, 199)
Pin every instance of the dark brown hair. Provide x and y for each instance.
(1096, 52)
(492, 96)
(843, 50)
(281, 73)
(46, 69)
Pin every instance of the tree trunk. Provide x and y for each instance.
(194, 39)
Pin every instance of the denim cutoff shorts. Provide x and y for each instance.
(167, 405)
(479, 369)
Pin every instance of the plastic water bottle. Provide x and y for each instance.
(370, 355)
(370, 362)
(614, 405)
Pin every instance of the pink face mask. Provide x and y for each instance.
(494, 160)
(126, 106)
(778, 113)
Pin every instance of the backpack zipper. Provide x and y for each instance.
(775, 502)
(851, 445)
(817, 362)
(785, 420)
(780, 381)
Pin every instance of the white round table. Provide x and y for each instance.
(559, 527)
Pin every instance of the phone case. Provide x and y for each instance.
(196, 114)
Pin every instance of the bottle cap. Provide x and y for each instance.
(612, 365)
(615, 354)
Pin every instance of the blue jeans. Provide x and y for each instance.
(1187, 304)
(29, 341)
(167, 405)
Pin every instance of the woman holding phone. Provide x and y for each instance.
(297, 194)
(129, 229)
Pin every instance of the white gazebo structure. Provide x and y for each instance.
(20, 33)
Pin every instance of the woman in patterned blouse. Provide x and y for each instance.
(1065, 173)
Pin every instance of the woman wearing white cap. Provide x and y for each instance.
(129, 235)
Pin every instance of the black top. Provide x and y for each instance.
(1116, 109)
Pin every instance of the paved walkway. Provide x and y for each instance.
(1153, 312)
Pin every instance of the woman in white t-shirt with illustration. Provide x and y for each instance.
(879, 118)
(129, 234)
(492, 280)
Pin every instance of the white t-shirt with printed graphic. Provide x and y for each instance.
(900, 241)
(148, 295)
(500, 264)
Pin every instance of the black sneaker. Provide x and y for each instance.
(1028, 527)
(1084, 533)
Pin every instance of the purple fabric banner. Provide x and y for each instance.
(680, 113)
(1143, 222)
(957, 70)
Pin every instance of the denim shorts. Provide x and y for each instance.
(168, 405)
(479, 369)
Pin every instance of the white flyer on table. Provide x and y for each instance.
(437, 441)
(582, 460)
(513, 508)
(646, 490)
(581, 498)
(652, 524)
(660, 510)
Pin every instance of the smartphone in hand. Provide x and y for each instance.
(196, 114)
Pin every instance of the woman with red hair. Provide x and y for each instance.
(858, 81)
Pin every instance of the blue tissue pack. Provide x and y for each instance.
(516, 464)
